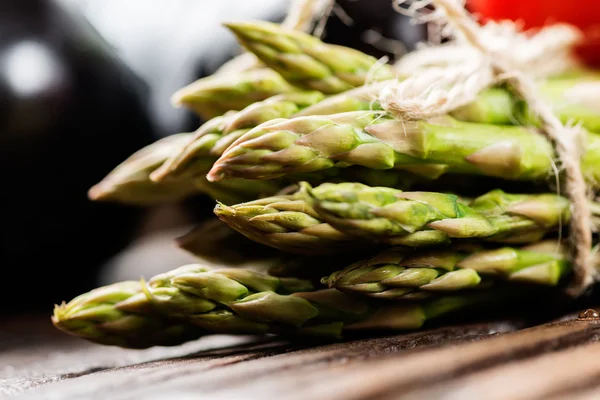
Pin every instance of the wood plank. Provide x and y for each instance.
(406, 372)
(33, 352)
(212, 371)
(556, 374)
(466, 361)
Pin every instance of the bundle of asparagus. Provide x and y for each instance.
(364, 221)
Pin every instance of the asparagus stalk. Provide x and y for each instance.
(214, 136)
(129, 182)
(192, 301)
(210, 241)
(336, 218)
(286, 223)
(101, 316)
(306, 61)
(377, 141)
(169, 309)
(401, 274)
(495, 106)
(428, 218)
(184, 159)
(216, 94)
(562, 96)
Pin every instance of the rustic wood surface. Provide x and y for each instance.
(499, 359)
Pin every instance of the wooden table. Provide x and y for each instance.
(499, 359)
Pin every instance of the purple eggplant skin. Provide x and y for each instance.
(69, 112)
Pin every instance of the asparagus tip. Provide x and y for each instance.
(306, 190)
(238, 28)
(223, 210)
(216, 173)
(99, 191)
(58, 313)
(177, 98)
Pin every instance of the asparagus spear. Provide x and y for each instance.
(214, 136)
(168, 309)
(561, 96)
(216, 94)
(496, 105)
(401, 274)
(100, 316)
(306, 61)
(493, 106)
(172, 157)
(377, 141)
(350, 216)
(218, 134)
(286, 223)
(429, 218)
(210, 241)
(129, 182)
(191, 301)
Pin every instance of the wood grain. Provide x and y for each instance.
(501, 359)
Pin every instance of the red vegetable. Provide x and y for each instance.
(584, 14)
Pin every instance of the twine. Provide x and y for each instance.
(505, 53)
(545, 53)
(436, 92)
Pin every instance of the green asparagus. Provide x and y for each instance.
(216, 94)
(286, 223)
(351, 216)
(377, 141)
(428, 218)
(129, 182)
(496, 105)
(214, 136)
(211, 242)
(192, 301)
(100, 316)
(561, 96)
(172, 157)
(492, 106)
(401, 274)
(168, 309)
(307, 62)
